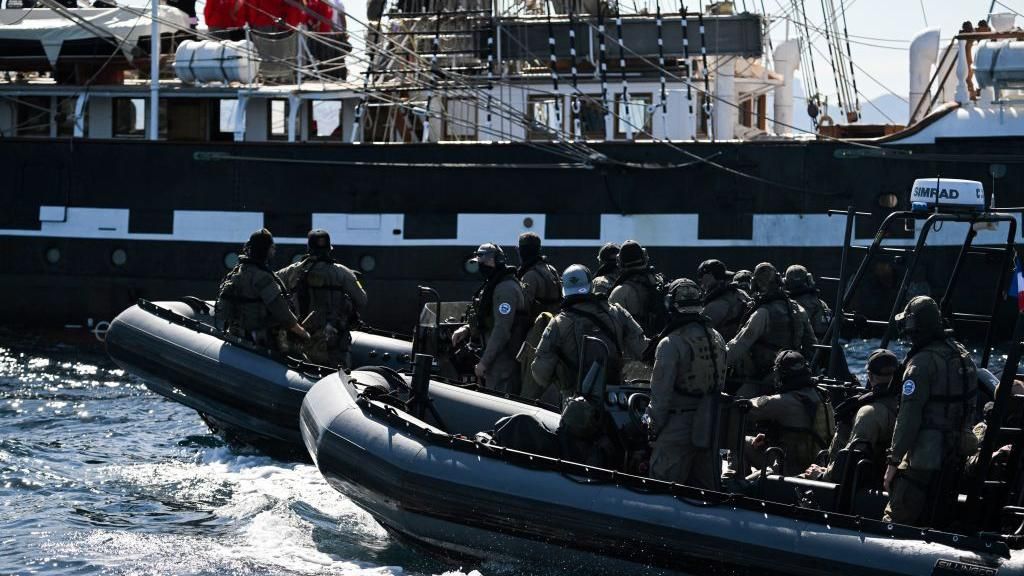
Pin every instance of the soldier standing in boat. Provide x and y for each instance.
(742, 280)
(799, 285)
(252, 302)
(773, 323)
(933, 435)
(724, 302)
(639, 288)
(583, 313)
(329, 295)
(542, 287)
(689, 373)
(607, 269)
(499, 317)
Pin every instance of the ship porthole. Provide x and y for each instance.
(118, 257)
(53, 255)
(231, 260)
(367, 263)
(471, 266)
(528, 222)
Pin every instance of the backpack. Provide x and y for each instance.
(528, 352)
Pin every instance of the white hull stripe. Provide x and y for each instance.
(655, 230)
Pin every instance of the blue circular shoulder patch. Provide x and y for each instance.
(909, 387)
(505, 308)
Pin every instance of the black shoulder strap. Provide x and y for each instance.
(602, 326)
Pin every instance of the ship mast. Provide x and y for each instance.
(154, 70)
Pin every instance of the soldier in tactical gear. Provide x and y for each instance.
(742, 279)
(252, 302)
(799, 285)
(689, 373)
(639, 288)
(331, 293)
(773, 323)
(542, 287)
(865, 423)
(499, 318)
(725, 302)
(933, 435)
(607, 269)
(560, 354)
(798, 418)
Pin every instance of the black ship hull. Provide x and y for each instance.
(91, 226)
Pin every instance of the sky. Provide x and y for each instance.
(880, 34)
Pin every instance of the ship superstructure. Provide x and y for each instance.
(439, 126)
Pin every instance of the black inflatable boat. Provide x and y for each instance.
(446, 492)
(248, 394)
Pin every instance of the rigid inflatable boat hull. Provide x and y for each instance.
(475, 505)
(249, 397)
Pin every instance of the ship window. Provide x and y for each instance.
(33, 116)
(226, 115)
(66, 117)
(746, 112)
(591, 116)
(762, 112)
(277, 119)
(542, 113)
(701, 116)
(129, 117)
(325, 120)
(633, 115)
(460, 119)
(186, 119)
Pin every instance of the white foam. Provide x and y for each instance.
(261, 502)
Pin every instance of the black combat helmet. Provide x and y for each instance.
(318, 242)
(259, 245)
(632, 255)
(791, 371)
(765, 279)
(683, 297)
(920, 321)
(797, 278)
(714, 267)
(608, 253)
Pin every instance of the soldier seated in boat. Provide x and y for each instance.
(329, 296)
(252, 302)
(607, 269)
(689, 374)
(799, 285)
(542, 288)
(773, 323)
(499, 318)
(724, 301)
(865, 423)
(797, 417)
(933, 435)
